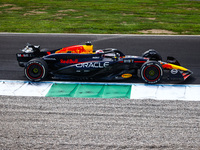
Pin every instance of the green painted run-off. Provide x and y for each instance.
(89, 90)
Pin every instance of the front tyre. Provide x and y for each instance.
(151, 72)
(36, 69)
(152, 55)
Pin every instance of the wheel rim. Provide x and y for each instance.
(152, 73)
(34, 71)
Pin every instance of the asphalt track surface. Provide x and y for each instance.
(184, 48)
(81, 123)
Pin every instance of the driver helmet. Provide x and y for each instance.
(99, 52)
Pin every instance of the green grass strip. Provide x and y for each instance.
(89, 91)
(101, 16)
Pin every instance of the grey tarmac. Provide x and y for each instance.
(184, 48)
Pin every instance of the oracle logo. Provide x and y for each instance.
(93, 65)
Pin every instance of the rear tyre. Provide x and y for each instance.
(36, 69)
(151, 72)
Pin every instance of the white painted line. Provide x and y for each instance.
(20, 88)
(193, 93)
(139, 92)
(171, 93)
(166, 92)
(8, 88)
(33, 89)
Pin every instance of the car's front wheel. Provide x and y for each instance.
(151, 72)
(36, 69)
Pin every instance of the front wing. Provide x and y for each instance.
(175, 72)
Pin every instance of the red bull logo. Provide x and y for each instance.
(69, 61)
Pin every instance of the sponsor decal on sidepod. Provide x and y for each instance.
(93, 65)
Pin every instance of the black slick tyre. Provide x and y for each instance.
(152, 55)
(36, 69)
(151, 72)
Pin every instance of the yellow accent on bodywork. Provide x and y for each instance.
(172, 66)
(88, 49)
(126, 75)
(178, 67)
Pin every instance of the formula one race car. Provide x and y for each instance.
(81, 62)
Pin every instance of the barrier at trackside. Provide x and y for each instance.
(100, 90)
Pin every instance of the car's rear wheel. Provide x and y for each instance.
(36, 69)
(151, 72)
